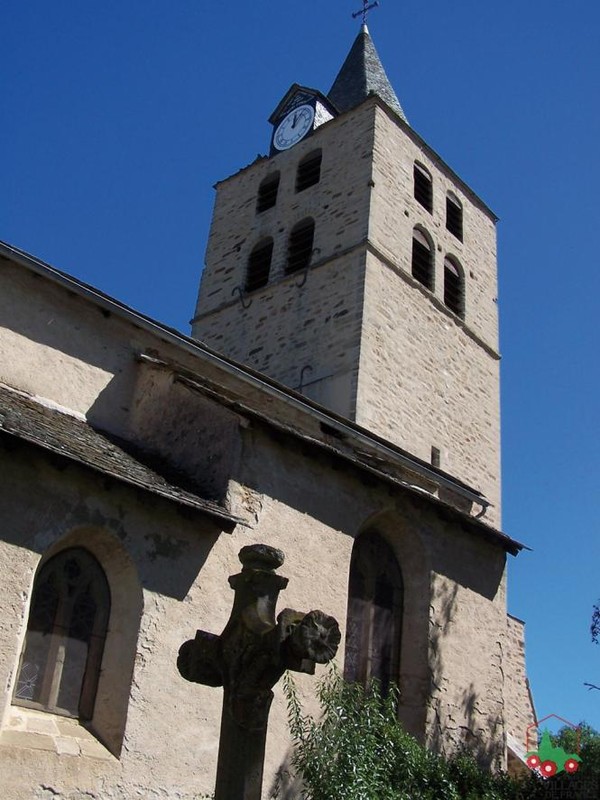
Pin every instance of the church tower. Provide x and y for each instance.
(355, 267)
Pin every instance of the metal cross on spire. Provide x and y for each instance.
(365, 10)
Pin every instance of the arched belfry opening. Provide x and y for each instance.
(375, 608)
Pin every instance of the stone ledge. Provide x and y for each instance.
(38, 730)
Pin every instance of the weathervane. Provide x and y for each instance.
(365, 10)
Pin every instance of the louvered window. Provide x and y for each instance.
(300, 246)
(423, 187)
(309, 171)
(422, 259)
(259, 265)
(454, 217)
(267, 193)
(64, 643)
(454, 295)
(375, 605)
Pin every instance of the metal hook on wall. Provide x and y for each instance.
(238, 290)
(304, 277)
(313, 252)
(305, 368)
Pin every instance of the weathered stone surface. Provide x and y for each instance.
(519, 708)
(360, 335)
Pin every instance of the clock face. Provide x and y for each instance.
(293, 127)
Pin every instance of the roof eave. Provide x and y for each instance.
(259, 381)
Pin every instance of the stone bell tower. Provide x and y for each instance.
(354, 266)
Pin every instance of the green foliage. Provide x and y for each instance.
(589, 746)
(347, 753)
(358, 750)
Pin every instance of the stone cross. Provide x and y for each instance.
(365, 10)
(248, 659)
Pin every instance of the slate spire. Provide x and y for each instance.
(362, 74)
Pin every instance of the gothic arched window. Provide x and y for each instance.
(454, 292)
(375, 602)
(68, 619)
(422, 259)
(259, 265)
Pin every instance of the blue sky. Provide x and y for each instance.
(117, 119)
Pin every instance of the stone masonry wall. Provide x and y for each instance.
(361, 336)
(451, 673)
(395, 213)
(467, 697)
(303, 336)
(519, 711)
(152, 556)
(339, 204)
(427, 378)
(423, 383)
(303, 325)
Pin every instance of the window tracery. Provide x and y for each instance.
(66, 631)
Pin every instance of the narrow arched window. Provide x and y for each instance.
(64, 643)
(309, 171)
(422, 259)
(423, 187)
(267, 193)
(259, 265)
(454, 290)
(454, 216)
(300, 245)
(375, 603)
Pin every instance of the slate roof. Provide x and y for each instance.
(361, 75)
(28, 420)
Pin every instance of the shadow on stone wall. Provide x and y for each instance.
(286, 785)
(468, 721)
(168, 545)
